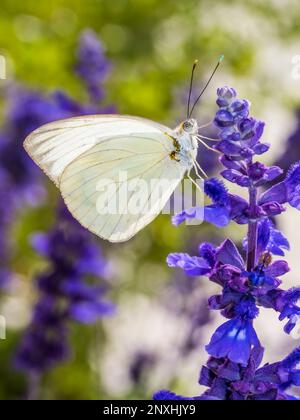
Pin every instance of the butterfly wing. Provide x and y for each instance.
(82, 154)
(54, 145)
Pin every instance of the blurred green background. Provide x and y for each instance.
(152, 45)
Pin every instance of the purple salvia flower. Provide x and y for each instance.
(233, 371)
(224, 208)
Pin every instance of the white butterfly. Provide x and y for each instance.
(77, 153)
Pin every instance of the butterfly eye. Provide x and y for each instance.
(187, 126)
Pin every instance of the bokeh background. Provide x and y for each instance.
(72, 57)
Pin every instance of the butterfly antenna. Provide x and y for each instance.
(207, 83)
(191, 88)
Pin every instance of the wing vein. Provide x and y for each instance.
(139, 177)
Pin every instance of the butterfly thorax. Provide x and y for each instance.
(185, 142)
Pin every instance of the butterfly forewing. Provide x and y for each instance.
(53, 146)
(95, 161)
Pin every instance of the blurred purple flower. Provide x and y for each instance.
(64, 294)
(92, 64)
(286, 159)
(21, 181)
(287, 191)
(185, 298)
(141, 363)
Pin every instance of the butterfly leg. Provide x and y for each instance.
(207, 138)
(197, 173)
(198, 167)
(207, 146)
(193, 181)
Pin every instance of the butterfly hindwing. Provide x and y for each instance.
(100, 187)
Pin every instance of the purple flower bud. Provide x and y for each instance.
(230, 163)
(270, 174)
(229, 148)
(236, 177)
(230, 134)
(246, 127)
(222, 102)
(273, 172)
(258, 132)
(226, 92)
(223, 119)
(239, 107)
(272, 209)
(261, 148)
(246, 153)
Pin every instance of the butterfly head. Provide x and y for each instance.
(190, 126)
